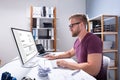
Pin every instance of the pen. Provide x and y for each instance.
(75, 72)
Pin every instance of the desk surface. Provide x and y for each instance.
(55, 74)
(16, 70)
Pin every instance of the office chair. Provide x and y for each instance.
(106, 62)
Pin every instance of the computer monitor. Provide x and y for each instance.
(26, 46)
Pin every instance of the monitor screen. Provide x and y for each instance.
(25, 44)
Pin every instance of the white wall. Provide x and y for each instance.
(65, 9)
(95, 8)
(12, 14)
(15, 13)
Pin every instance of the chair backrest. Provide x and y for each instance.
(106, 62)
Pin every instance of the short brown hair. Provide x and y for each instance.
(80, 17)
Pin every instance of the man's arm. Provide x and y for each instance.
(92, 66)
(66, 54)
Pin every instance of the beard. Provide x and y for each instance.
(75, 34)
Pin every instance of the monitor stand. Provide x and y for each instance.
(30, 64)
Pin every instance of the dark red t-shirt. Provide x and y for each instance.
(89, 44)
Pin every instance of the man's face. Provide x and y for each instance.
(74, 27)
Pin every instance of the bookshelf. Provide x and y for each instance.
(0, 62)
(106, 27)
(43, 26)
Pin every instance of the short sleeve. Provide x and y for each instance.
(94, 45)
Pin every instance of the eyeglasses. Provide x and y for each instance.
(71, 25)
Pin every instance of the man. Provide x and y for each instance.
(87, 49)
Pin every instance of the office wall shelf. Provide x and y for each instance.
(43, 26)
(106, 26)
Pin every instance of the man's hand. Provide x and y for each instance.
(50, 56)
(62, 63)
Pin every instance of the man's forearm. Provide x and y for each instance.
(64, 55)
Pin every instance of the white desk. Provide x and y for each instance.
(16, 70)
(55, 74)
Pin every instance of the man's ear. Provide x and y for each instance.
(81, 25)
